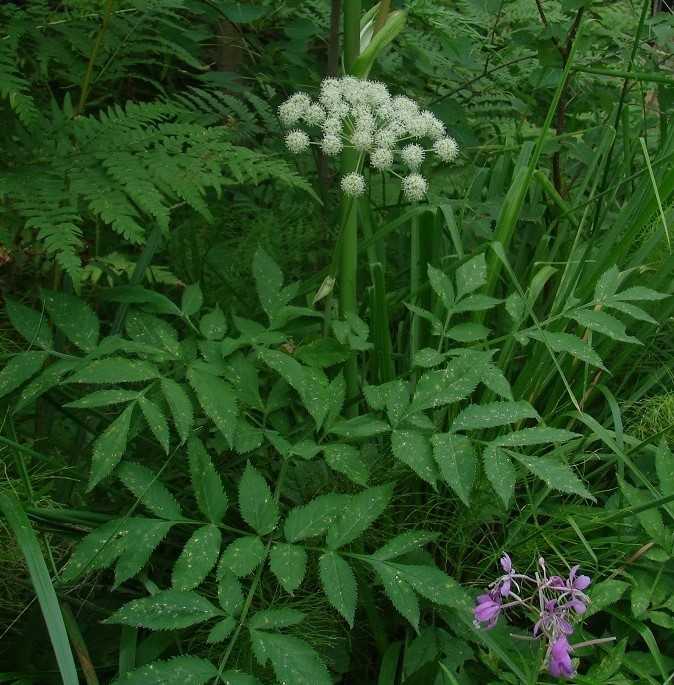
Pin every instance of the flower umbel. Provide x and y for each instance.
(554, 601)
(362, 115)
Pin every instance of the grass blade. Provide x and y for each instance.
(25, 536)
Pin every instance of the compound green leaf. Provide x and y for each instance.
(156, 420)
(274, 619)
(73, 317)
(141, 540)
(165, 610)
(206, 483)
(292, 659)
(113, 370)
(539, 435)
(103, 398)
(455, 456)
(180, 405)
(492, 414)
(364, 509)
(601, 322)
(471, 275)
(346, 459)
(405, 542)
(221, 631)
(289, 564)
(32, 325)
(192, 300)
(230, 593)
(20, 368)
(339, 584)
(242, 556)
(110, 446)
(565, 342)
(256, 503)
(314, 518)
(181, 670)
(413, 448)
(149, 490)
(400, 592)
(197, 559)
(218, 401)
(500, 472)
(556, 474)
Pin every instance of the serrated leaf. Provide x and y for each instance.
(165, 610)
(556, 474)
(213, 325)
(149, 490)
(221, 631)
(98, 549)
(289, 564)
(539, 435)
(292, 659)
(639, 292)
(632, 310)
(247, 437)
(197, 559)
(492, 414)
(20, 368)
(230, 592)
(31, 325)
(323, 353)
(45, 381)
(601, 322)
(310, 384)
(242, 556)
(256, 503)
(430, 582)
(414, 449)
(116, 370)
(359, 427)
(442, 286)
(400, 593)
(364, 509)
(206, 483)
(393, 396)
(144, 535)
(604, 594)
(467, 332)
(607, 285)
(314, 518)
(496, 381)
(471, 275)
(428, 358)
(109, 447)
(500, 472)
(103, 398)
(339, 585)
(565, 342)
(180, 405)
(73, 317)
(436, 388)
(218, 401)
(181, 670)
(269, 283)
(455, 456)
(156, 421)
(405, 542)
(346, 459)
(242, 373)
(192, 299)
(153, 332)
(274, 619)
(475, 303)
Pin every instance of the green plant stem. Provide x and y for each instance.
(348, 254)
(86, 83)
(79, 645)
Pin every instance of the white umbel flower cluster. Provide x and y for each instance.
(384, 130)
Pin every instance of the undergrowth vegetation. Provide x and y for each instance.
(319, 317)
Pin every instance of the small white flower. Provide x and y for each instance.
(417, 126)
(331, 144)
(353, 184)
(388, 136)
(434, 127)
(414, 187)
(362, 139)
(332, 125)
(292, 110)
(412, 155)
(381, 158)
(314, 114)
(297, 141)
(446, 149)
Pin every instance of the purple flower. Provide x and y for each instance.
(488, 608)
(577, 582)
(559, 664)
(552, 620)
(506, 581)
